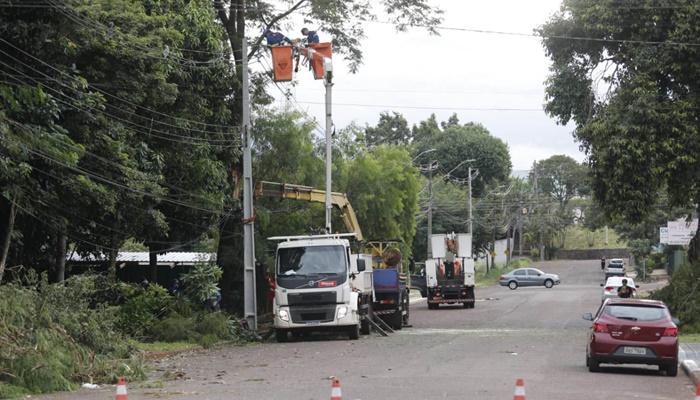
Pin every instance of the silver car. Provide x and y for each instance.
(528, 277)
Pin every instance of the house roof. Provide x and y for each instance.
(142, 257)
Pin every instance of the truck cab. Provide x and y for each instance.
(321, 286)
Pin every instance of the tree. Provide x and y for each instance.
(470, 141)
(389, 130)
(637, 129)
(342, 20)
(559, 177)
(425, 129)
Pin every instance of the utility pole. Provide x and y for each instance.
(328, 83)
(250, 306)
(471, 226)
(430, 208)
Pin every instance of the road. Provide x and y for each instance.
(536, 334)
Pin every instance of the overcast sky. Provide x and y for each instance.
(493, 79)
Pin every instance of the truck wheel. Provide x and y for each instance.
(406, 307)
(466, 304)
(281, 335)
(365, 327)
(354, 332)
(396, 320)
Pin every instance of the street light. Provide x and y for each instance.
(458, 165)
(419, 154)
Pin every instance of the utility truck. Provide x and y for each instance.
(450, 273)
(320, 285)
(313, 281)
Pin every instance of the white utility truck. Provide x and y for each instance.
(450, 273)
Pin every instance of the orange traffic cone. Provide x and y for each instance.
(519, 390)
(697, 392)
(335, 390)
(121, 389)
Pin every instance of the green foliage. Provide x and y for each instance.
(54, 337)
(559, 177)
(201, 281)
(390, 130)
(636, 119)
(682, 297)
(175, 328)
(141, 313)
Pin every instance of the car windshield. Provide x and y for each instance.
(636, 312)
(311, 260)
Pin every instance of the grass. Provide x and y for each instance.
(577, 238)
(482, 279)
(689, 337)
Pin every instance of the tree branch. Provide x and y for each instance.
(256, 45)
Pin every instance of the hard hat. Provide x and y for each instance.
(303, 29)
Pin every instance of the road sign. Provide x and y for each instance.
(493, 254)
(506, 252)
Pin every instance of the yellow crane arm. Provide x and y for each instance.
(307, 193)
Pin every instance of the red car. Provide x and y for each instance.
(632, 331)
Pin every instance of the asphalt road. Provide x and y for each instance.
(536, 334)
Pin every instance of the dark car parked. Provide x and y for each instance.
(633, 331)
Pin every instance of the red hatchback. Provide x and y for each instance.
(632, 331)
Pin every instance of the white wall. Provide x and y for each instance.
(501, 257)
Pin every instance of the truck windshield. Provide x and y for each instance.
(311, 260)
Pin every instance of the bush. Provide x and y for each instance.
(139, 314)
(682, 297)
(55, 336)
(175, 328)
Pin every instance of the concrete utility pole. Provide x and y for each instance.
(250, 306)
(328, 82)
(471, 226)
(430, 208)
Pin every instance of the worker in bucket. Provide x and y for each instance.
(311, 36)
(275, 38)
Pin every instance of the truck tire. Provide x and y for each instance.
(354, 332)
(396, 320)
(281, 335)
(407, 302)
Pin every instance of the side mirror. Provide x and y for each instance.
(411, 267)
(587, 316)
(637, 286)
(676, 321)
(601, 285)
(361, 265)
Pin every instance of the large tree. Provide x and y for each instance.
(627, 78)
(342, 21)
(559, 177)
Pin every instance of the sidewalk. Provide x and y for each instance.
(689, 358)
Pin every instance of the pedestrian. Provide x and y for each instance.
(624, 291)
(214, 302)
(275, 38)
(174, 289)
(271, 285)
(311, 36)
(602, 263)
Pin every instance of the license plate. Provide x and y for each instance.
(313, 323)
(635, 350)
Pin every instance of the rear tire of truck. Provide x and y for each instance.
(354, 332)
(407, 301)
(281, 335)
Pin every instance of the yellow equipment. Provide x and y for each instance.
(307, 193)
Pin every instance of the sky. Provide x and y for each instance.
(493, 79)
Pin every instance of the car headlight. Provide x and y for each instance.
(284, 315)
(342, 312)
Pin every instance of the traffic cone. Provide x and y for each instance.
(121, 389)
(697, 392)
(335, 390)
(519, 390)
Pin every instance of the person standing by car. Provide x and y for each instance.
(602, 263)
(624, 291)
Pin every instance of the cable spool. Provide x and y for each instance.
(391, 257)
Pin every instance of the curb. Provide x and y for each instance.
(690, 367)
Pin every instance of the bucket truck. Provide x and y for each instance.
(450, 273)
